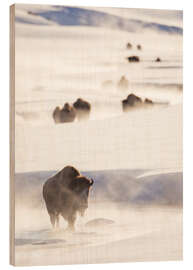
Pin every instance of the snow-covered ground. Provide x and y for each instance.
(131, 234)
(130, 218)
(66, 53)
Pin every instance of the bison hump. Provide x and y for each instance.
(66, 175)
(70, 171)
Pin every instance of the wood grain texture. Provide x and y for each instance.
(12, 133)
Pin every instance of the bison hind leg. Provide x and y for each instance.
(70, 218)
(57, 221)
(54, 219)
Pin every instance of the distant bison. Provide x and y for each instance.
(123, 83)
(130, 101)
(148, 101)
(129, 46)
(64, 115)
(139, 47)
(133, 58)
(66, 194)
(82, 108)
(31, 13)
(158, 59)
(56, 114)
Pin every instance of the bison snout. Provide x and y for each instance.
(91, 182)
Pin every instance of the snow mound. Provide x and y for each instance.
(99, 222)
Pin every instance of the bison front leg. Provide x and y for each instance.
(52, 219)
(71, 222)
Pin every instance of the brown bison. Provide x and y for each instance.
(139, 47)
(123, 83)
(148, 101)
(31, 13)
(158, 59)
(66, 194)
(129, 46)
(56, 114)
(133, 59)
(130, 101)
(64, 115)
(82, 108)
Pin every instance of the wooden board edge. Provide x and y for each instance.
(12, 135)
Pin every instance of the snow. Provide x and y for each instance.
(139, 221)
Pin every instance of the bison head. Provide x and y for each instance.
(80, 187)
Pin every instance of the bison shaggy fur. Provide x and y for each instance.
(82, 108)
(64, 115)
(131, 101)
(133, 59)
(66, 194)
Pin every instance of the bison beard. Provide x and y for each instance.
(65, 194)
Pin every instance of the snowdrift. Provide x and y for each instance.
(111, 186)
(74, 16)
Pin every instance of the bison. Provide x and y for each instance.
(64, 115)
(139, 47)
(133, 59)
(158, 59)
(130, 101)
(129, 46)
(66, 194)
(82, 108)
(148, 101)
(123, 83)
(56, 114)
(31, 13)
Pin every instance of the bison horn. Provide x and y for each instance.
(91, 182)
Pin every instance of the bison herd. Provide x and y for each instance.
(80, 109)
(66, 194)
(133, 101)
(134, 58)
(129, 46)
